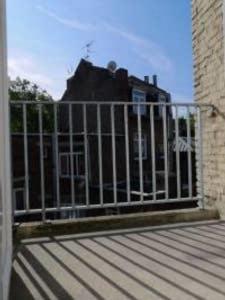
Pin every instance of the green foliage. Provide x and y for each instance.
(183, 125)
(24, 90)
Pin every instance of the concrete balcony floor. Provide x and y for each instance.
(185, 261)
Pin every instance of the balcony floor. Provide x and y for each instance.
(168, 262)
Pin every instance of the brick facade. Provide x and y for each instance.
(209, 84)
(93, 83)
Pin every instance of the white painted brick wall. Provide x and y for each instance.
(209, 83)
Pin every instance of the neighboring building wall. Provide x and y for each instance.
(209, 76)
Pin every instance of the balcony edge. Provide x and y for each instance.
(93, 224)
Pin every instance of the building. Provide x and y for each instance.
(93, 84)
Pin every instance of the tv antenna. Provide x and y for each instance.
(70, 69)
(88, 50)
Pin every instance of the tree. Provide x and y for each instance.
(183, 125)
(24, 90)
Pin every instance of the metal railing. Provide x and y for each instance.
(161, 165)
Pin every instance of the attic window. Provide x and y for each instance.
(138, 97)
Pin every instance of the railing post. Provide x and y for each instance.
(114, 153)
(99, 128)
(200, 188)
(40, 113)
(56, 153)
(165, 146)
(127, 152)
(177, 153)
(86, 154)
(152, 125)
(26, 160)
(70, 107)
(140, 156)
(190, 192)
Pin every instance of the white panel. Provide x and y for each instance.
(5, 184)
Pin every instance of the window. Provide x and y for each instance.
(143, 146)
(137, 97)
(78, 164)
(161, 99)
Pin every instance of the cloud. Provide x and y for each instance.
(27, 67)
(146, 49)
(74, 23)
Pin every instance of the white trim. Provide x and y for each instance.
(142, 98)
(5, 168)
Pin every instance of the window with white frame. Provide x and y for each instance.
(138, 97)
(65, 164)
(143, 146)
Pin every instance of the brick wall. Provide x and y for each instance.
(209, 84)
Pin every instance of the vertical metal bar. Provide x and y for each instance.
(200, 160)
(71, 155)
(127, 152)
(42, 161)
(77, 163)
(153, 151)
(26, 163)
(11, 169)
(190, 188)
(165, 146)
(86, 154)
(56, 155)
(113, 153)
(177, 153)
(140, 154)
(100, 153)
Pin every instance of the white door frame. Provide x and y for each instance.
(5, 174)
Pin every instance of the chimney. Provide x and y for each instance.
(146, 79)
(155, 80)
(121, 74)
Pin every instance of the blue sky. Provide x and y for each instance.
(45, 40)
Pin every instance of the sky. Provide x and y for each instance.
(47, 38)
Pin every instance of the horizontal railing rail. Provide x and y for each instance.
(127, 157)
(182, 104)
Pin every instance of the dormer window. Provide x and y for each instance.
(138, 97)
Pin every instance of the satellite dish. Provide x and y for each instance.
(112, 66)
